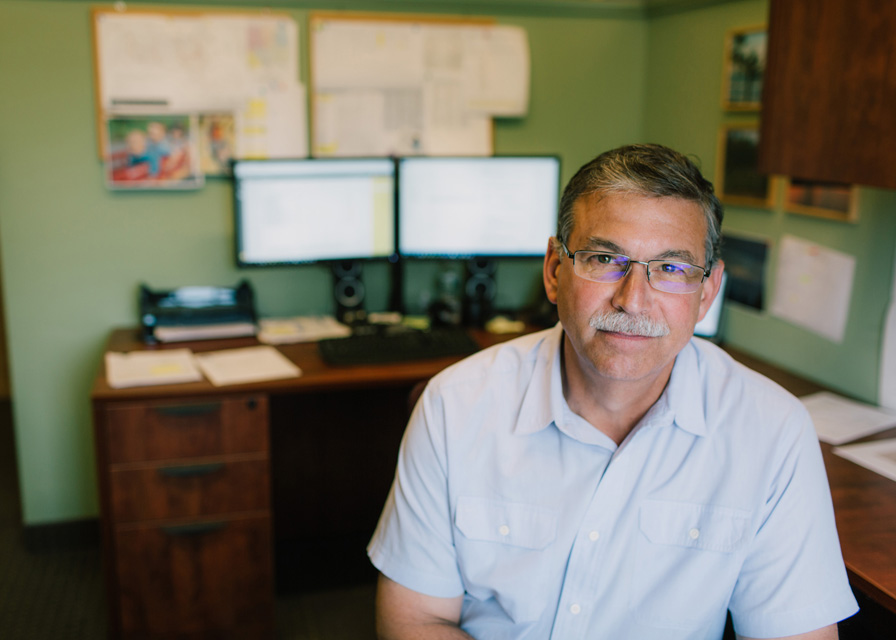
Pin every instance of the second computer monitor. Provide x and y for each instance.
(313, 210)
(494, 206)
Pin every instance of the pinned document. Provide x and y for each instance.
(249, 364)
(144, 368)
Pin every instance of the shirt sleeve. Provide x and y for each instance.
(794, 580)
(413, 542)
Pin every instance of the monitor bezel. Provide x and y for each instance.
(327, 261)
(414, 255)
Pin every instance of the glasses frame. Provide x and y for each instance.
(628, 268)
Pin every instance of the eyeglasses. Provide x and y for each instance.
(663, 275)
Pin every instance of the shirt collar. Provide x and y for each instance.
(683, 395)
(538, 410)
(681, 403)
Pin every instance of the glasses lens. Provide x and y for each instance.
(601, 267)
(675, 277)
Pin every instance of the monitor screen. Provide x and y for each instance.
(711, 325)
(313, 209)
(495, 206)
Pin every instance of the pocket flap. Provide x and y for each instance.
(696, 526)
(513, 523)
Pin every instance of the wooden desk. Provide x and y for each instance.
(334, 434)
(199, 484)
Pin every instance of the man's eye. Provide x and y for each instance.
(673, 268)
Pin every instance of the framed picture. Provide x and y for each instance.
(217, 141)
(152, 152)
(738, 180)
(832, 200)
(743, 69)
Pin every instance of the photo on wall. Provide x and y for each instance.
(152, 152)
(217, 143)
(745, 52)
(738, 180)
(746, 260)
(831, 200)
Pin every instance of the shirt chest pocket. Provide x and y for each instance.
(686, 562)
(504, 553)
(693, 526)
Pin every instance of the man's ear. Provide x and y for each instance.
(551, 264)
(711, 287)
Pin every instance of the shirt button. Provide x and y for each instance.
(575, 609)
(503, 529)
(593, 536)
(694, 533)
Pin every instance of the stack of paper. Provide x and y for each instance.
(250, 364)
(300, 329)
(878, 455)
(143, 368)
(839, 420)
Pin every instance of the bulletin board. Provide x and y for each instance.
(192, 62)
(409, 85)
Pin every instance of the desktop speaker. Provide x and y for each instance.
(348, 291)
(479, 291)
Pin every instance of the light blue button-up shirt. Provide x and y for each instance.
(717, 500)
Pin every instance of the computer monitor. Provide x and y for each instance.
(493, 206)
(711, 325)
(313, 210)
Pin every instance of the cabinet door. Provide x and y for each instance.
(202, 579)
(829, 91)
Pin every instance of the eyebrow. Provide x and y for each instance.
(602, 244)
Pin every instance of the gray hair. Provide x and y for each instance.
(649, 170)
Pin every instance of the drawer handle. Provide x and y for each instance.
(191, 470)
(190, 409)
(194, 529)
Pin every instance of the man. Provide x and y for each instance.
(613, 477)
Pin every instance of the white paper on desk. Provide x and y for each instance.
(813, 286)
(879, 456)
(301, 329)
(249, 364)
(839, 420)
(145, 368)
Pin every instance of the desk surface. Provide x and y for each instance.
(864, 502)
(316, 374)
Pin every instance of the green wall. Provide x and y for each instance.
(74, 253)
(683, 110)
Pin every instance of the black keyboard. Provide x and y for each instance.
(397, 346)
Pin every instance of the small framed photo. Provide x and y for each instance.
(831, 200)
(743, 69)
(738, 180)
(217, 141)
(152, 152)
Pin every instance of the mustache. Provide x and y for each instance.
(621, 322)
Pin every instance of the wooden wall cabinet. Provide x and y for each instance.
(186, 498)
(829, 93)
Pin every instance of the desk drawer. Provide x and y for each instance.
(186, 489)
(144, 431)
(196, 579)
